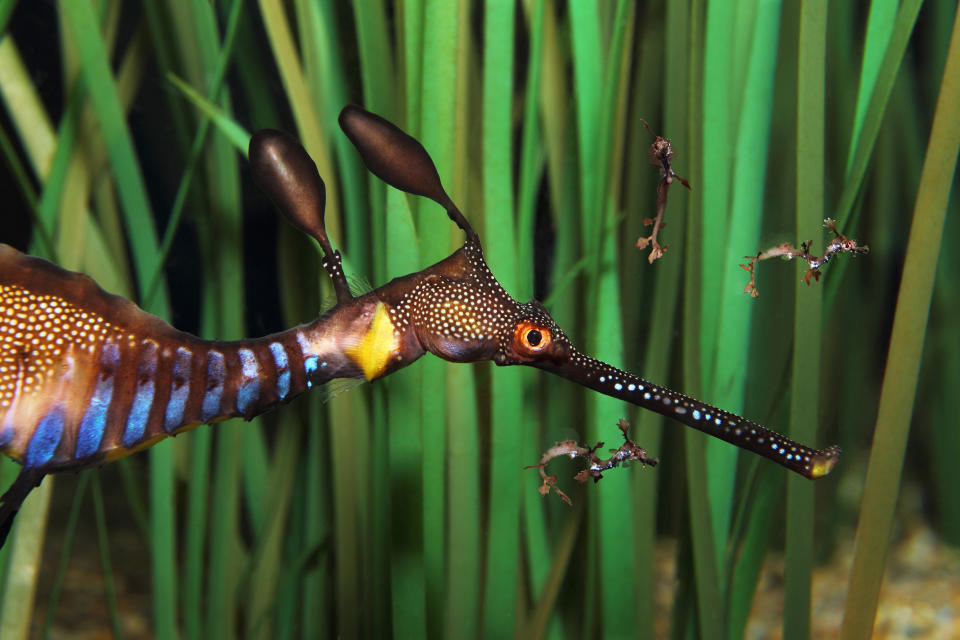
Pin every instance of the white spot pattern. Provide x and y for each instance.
(35, 331)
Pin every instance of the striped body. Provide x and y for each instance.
(87, 377)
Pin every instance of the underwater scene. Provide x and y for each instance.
(479, 318)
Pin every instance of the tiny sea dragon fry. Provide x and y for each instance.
(87, 377)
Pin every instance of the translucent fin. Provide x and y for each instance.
(359, 285)
(335, 387)
(328, 302)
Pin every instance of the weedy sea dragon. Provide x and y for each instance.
(87, 377)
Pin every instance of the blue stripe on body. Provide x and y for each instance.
(247, 395)
(46, 437)
(6, 430)
(143, 400)
(310, 367)
(179, 389)
(283, 369)
(94, 421)
(216, 374)
(249, 391)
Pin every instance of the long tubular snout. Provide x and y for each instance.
(743, 433)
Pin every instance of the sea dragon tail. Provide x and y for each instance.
(14, 497)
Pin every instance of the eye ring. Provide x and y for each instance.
(531, 339)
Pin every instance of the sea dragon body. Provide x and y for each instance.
(87, 377)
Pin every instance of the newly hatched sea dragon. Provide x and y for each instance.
(87, 377)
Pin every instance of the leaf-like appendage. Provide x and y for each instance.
(284, 171)
(398, 159)
(392, 155)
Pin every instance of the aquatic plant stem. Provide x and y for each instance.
(904, 355)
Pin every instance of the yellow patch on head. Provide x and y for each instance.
(372, 353)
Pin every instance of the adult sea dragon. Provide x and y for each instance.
(87, 377)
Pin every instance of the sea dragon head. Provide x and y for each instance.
(456, 309)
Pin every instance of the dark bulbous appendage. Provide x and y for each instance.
(392, 155)
(284, 171)
(398, 159)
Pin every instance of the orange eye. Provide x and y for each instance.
(531, 338)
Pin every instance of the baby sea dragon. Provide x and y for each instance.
(87, 377)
